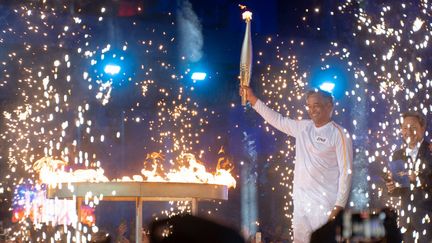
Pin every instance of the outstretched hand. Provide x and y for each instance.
(250, 96)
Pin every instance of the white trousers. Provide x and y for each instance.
(306, 219)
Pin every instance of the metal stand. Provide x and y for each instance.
(138, 220)
(139, 192)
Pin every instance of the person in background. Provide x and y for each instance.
(415, 211)
(121, 231)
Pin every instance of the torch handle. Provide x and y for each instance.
(243, 97)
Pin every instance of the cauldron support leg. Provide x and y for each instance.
(194, 206)
(138, 219)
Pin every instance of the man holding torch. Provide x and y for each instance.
(324, 155)
(323, 165)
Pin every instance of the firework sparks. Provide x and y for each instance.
(60, 90)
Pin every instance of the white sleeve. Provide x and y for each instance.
(344, 152)
(283, 124)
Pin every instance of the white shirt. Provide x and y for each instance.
(324, 159)
(413, 152)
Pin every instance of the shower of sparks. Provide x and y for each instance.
(394, 66)
(390, 74)
(58, 93)
(387, 56)
(59, 96)
(282, 86)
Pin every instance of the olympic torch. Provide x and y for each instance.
(246, 57)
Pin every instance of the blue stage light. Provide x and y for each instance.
(327, 86)
(198, 76)
(334, 79)
(112, 69)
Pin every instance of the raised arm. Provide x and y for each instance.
(283, 124)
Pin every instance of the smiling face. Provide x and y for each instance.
(319, 109)
(412, 131)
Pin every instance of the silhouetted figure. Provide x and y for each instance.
(332, 231)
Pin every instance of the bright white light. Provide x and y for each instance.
(112, 69)
(327, 86)
(198, 76)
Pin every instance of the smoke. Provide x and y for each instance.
(190, 30)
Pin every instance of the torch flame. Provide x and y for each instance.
(247, 15)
